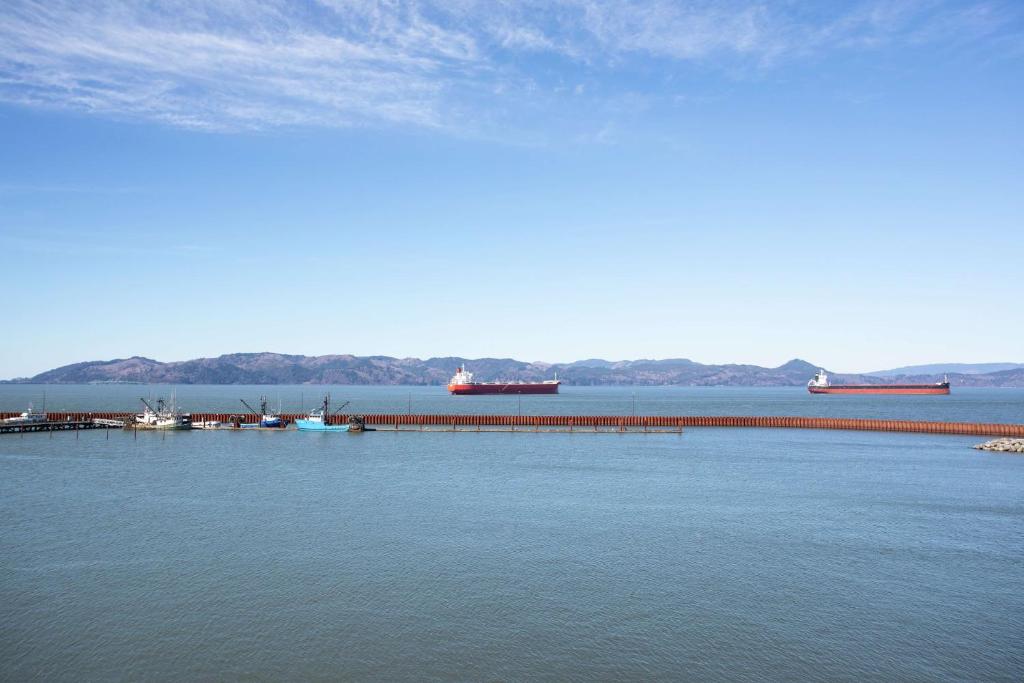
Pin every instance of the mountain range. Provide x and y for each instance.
(948, 368)
(276, 368)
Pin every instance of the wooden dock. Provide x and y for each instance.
(534, 429)
(573, 423)
(588, 423)
(59, 426)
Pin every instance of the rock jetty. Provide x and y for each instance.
(1002, 445)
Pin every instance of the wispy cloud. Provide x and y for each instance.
(235, 65)
(202, 65)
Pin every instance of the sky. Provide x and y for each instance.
(725, 181)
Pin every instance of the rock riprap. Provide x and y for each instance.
(1002, 445)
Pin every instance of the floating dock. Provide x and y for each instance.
(632, 423)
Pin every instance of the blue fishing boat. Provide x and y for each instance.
(317, 419)
(269, 419)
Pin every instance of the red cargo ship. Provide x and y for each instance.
(462, 383)
(821, 385)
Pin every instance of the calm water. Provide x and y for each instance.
(964, 404)
(715, 555)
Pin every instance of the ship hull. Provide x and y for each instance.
(500, 388)
(265, 424)
(882, 389)
(316, 426)
(176, 425)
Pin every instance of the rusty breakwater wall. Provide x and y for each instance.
(633, 421)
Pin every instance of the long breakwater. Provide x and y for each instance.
(631, 422)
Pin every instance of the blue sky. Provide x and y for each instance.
(724, 181)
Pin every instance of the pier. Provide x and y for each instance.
(630, 423)
(58, 425)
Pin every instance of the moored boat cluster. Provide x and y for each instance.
(1005, 445)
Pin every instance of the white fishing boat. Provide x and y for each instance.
(28, 417)
(164, 416)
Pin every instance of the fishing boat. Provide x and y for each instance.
(268, 418)
(28, 417)
(317, 420)
(164, 416)
(357, 424)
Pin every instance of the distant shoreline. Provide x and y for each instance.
(801, 387)
(266, 368)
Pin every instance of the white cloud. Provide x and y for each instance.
(234, 64)
(207, 69)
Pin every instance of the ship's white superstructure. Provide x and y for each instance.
(820, 379)
(461, 376)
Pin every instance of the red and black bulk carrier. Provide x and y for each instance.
(821, 385)
(462, 383)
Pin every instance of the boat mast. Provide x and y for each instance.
(251, 409)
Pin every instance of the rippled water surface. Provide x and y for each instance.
(964, 404)
(718, 554)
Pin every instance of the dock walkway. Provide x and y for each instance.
(632, 423)
(58, 425)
